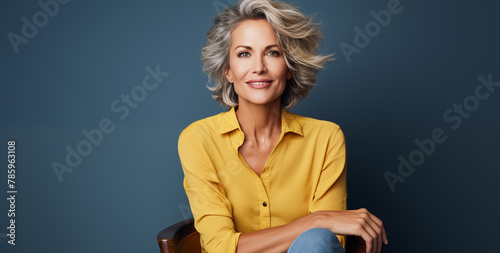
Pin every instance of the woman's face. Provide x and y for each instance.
(257, 66)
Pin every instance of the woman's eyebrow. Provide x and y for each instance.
(271, 46)
(250, 48)
(243, 46)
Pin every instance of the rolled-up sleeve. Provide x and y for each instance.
(331, 192)
(211, 209)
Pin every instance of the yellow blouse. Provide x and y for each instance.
(304, 173)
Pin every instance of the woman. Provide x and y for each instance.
(259, 178)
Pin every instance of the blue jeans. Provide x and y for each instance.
(316, 240)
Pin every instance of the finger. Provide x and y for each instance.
(375, 238)
(378, 231)
(383, 233)
(379, 228)
(371, 226)
(368, 240)
(373, 234)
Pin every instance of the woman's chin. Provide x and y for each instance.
(259, 101)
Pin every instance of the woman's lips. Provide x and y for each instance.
(259, 84)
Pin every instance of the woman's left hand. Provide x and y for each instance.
(358, 222)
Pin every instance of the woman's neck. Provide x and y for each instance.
(260, 123)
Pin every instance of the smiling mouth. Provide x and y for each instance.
(259, 84)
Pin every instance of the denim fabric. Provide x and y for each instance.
(316, 240)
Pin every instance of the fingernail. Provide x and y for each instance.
(386, 241)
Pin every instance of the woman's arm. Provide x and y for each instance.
(330, 194)
(275, 239)
(212, 211)
(351, 222)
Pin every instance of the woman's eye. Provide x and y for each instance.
(273, 53)
(243, 54)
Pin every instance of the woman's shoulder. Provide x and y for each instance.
(205, 126)
(314, 124)
(320, 130)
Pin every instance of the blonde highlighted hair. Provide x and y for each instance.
(298, 38)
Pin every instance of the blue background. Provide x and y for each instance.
(129, 187)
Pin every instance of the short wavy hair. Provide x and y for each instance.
(297, 36)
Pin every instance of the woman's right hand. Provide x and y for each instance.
(358, 222)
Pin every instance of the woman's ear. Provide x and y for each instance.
(289, 75)
(228, 75)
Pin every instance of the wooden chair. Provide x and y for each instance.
(182, 237)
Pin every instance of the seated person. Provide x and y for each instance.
(259, 178)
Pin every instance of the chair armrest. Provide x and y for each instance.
(355, 244)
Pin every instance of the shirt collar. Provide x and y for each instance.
(228, 122)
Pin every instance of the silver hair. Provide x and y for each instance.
(298, 37)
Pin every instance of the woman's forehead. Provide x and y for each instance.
(253, 32)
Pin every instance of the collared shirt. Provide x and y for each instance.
(304, 173)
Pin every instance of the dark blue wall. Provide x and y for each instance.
(64, 71)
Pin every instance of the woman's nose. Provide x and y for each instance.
(259, 66)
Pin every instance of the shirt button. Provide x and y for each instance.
(264, 204)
